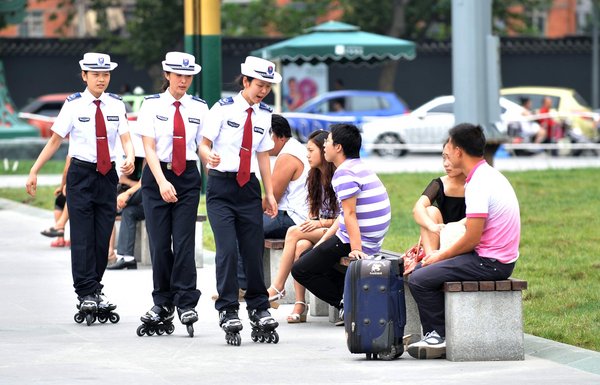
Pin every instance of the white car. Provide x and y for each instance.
(426, 128)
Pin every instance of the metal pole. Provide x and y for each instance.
(595, 54)
(210, 50)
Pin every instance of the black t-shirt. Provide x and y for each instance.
(452, 208)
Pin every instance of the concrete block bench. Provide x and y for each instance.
(271, 258)
(142, 245)
(484, 320)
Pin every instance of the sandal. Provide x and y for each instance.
(275, 297)
(296, 318)
(53, 232)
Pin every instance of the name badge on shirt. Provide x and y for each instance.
(233, 124)
(163, 118)
(84, 119)
(194, 120)
(259, 130)
(112, 118)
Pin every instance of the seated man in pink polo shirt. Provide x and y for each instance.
(486, 252)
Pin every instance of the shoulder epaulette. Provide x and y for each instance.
(225, 101)
(74, 96)
(265, 106)
(118, 97)
(155, 96)
(198, 99)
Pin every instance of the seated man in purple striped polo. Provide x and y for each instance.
(363, 221)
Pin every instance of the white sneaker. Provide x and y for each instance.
(430, 346)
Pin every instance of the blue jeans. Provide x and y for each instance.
(130, 216)
(426, 283)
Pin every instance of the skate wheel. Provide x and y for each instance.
(150, 330)
(254, 336)
(237, 340)
(102, 319)
(114, 318)
(170, 328)
(275, 337)
(160, 330)
(78, 318)
(190, 330)
(141, 330)
(261, 338)
(89, 319)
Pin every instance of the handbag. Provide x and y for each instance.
(412, 257)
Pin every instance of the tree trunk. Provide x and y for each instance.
(387, 78)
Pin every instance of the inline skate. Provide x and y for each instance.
(188, 317)
(263, 326)
(105, 310)
(231, 324)
(87, 309)
(157, 320)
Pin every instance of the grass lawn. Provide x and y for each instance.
(560, 245)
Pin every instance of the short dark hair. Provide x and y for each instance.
(348, 136)
(469, 137)
(280, 126)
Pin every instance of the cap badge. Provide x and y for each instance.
(101, 60)
(186, 62)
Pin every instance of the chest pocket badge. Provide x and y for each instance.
(259, 130)
(194, 120)
(112, 118)
(84, 119)
(163, 118)
(233, 124)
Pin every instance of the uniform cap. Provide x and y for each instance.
(260, 69)
(93, 61)
(180, 63)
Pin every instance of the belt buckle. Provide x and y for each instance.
(169, 166)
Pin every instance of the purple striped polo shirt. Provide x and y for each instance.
(373, 210)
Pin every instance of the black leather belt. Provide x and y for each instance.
(169, 165)
(89, 165)
(224, 174)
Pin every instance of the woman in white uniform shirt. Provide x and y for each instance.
(93, 119)
(237, 131)
(170, 125)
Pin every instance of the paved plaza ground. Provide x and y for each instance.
(40, 343)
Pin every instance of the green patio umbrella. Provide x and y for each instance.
(334, 41)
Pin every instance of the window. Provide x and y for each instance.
(446, 108)
(32, 25)
(363, 103)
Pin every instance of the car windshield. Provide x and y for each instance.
(580, 100)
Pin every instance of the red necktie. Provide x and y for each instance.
(243, 175)
(178, 160)
(103, 164)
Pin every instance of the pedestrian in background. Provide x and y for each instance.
(93, 119)
(170, 125)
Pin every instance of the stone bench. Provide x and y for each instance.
(271, 258)
(484, 320)
(142, 245)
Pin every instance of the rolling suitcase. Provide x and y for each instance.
(374, 308)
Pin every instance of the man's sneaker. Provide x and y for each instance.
(431, 346)
(340, 318)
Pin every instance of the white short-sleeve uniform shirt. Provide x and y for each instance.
(156, 120)
(77, 118)
(225, 128)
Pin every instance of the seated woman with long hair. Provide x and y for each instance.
(323, 210)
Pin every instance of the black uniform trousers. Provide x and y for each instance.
(235, 215)
(92, 202)
(173, 225)
(319, 271)
(426, 283)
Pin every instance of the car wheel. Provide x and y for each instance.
(389, 138)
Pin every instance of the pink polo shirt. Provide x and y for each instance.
(489, 195)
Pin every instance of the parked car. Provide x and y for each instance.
(427, 127)
(43, 110)
(568, 103)
(346, 106)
